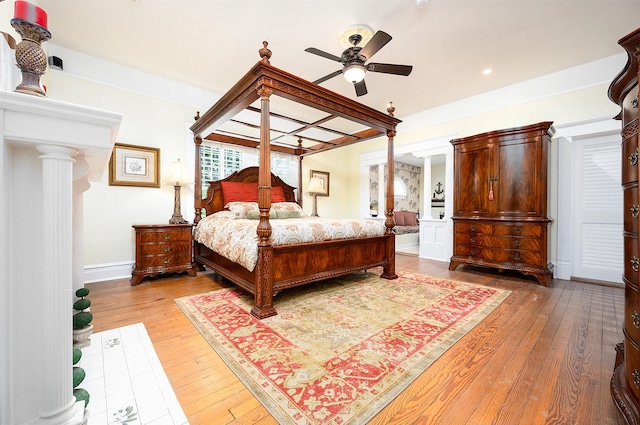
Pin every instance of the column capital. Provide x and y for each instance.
(55, 151)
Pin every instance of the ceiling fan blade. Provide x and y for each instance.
(326, 77)
(361, 88)
(376, 43)
(323, 54)
(388, 68)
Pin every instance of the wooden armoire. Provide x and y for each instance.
(500, 200)
(625, 384)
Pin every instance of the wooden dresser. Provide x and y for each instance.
(500, 200)
(625, 384)
(163, 248)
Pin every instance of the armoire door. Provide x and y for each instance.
(471, 164)
(517, 176)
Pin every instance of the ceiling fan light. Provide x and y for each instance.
(354, 73)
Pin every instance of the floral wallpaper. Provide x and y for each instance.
(409, 174)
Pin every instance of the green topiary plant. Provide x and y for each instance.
(82, 327)
(82, 318)
(78, 377)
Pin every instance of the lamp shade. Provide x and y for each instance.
(316, 186)
(177, 174)
(354, 73)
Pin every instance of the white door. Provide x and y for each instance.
(597, 198)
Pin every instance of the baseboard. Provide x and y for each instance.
(562, 270)
(109, 271)
(407, 246)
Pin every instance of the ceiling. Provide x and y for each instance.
(210, 44)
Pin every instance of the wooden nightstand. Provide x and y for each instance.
(163, 248)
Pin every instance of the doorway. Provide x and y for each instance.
(598, 252)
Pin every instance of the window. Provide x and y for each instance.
(399, 188)
(219, 160)
(285, 166)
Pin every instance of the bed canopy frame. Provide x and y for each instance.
(338, 121)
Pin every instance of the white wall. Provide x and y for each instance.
(152, 118)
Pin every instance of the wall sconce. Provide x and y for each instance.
(315, 188)
(177, 176)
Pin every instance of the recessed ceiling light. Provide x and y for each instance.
(487, 71)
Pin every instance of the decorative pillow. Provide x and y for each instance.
(239, 192)
(274, 215)
(288, 214)
(398, 217)
(226, 215)
(410, 218)
(277, 194)
(242, 209)
(255, 215)
(288, 206)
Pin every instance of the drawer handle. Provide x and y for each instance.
(166, 236)
(167, 248)
(634, 210)
(473, 252)
(635, 262)
(636, 378)
(636, 319)
(633, 158)
(473, 239)
(516, 230)
(516, 243)
(166, 261)
(516, 257)
(474, 229)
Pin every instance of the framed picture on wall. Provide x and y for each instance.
(324, 177)
(132, 165)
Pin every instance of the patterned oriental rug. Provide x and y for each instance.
(339, 350)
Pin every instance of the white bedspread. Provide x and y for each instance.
(236, 238)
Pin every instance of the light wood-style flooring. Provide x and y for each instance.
(544, 356)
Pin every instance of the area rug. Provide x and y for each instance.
(339, 350)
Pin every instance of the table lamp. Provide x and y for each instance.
(177, 176)
(315, 187)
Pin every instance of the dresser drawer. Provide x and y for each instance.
(466, 227)
(532, 230)
(632, 313)
(148, 236)
(507, 242)
(165, 248)
(499, 255)
(631, 210)
(630, 160)
(631, 259)
(169, 260)
(632, 367)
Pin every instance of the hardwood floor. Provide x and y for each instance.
(544, 356)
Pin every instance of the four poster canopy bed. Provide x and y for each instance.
(261, 206)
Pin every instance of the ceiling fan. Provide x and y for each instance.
(354, 59)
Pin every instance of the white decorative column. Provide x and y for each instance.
(436, 235)
(381, 190)
(49, 151)
(426, 188)
(58, 403)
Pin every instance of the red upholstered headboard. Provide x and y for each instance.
(215, 201)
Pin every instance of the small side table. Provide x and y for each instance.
(163, 248)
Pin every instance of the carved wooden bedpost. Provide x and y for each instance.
(299, 152)
(197, 190)
(389, 272)
(263, 293)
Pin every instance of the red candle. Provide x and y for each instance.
(30, 13)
